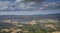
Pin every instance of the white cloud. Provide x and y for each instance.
(18, 1)
(26, 5)
(5, 5)
(49, 5)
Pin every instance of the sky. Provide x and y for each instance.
(29, 12)
(29, 7)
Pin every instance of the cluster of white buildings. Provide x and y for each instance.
(33, 22)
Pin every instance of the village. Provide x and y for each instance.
(27, 27)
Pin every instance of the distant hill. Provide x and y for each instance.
(30, 17)
(50, 16)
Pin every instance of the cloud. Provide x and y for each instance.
(18, 0)
(28, 6)
(25, 6)
(3, 5)
(50, 5)
(8, 0)
(7, 5)
(33, 0)
(38, 6)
